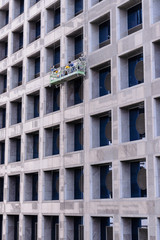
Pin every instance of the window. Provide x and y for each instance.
(137, 123)
(78, 46)
(38, 29)
(75, 45)
(78, 183)
(133, 122)
(135, 70)
(17, 39)
(134, 179)
(35, 145)
(1, 226)
(105, 130)
(13, 227)
(101, 129)
(31, 227)
(2, 152)
(14, 188)
(34, 28)
(56, 99)
(15, 149)
(156, 59)
(18, 150)
(74, 183)
(16, 111)
(135, 228)
(3, 82)
(78, 6)
(155, 4)
(102, 181)
(78, 136)
(56, 56)
(19, 110)
(18, 8)
(20, 74)
(37, 67)
(34, 228)
(138, 171)
(34, 65)
(78, 92)
(16, 75)
(6, 50)
(53, 56)
(33, 105)
(20, 40)
(134, 16)
(53, 16)
(74, 135)
(105, 186)
(157, 116)
(130, 17)
(75, 227)
(21, 6)
(36, 106)
(101, 80)
(55, 185)
(131, 69)
(51, 187)
(75, 92)
(32, 145)
(31, 187)
(105, 81)
(104, 33)
(100, 32)
(75, 8)
(34, 187)
(102, 228)
(52, 141)
(6, 17)
(51, 227)
(52, 99)
(57, 16)
(55, 149)
(1, 188)
(2, 117)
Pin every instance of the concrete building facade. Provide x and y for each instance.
(80, 160)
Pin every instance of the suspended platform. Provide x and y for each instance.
(73, 70)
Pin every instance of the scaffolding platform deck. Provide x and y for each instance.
(69, 72)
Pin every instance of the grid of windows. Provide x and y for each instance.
(74, 157)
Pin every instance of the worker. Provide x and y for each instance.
(70, 64)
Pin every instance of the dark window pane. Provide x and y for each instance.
(35, 146)
(135, 16)
(21, 40)
(37, 67)
(57, 17)
(38, 29)
(78, 6)
(78, 136)
(104, 31)
(78, 45)
(36, 106)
